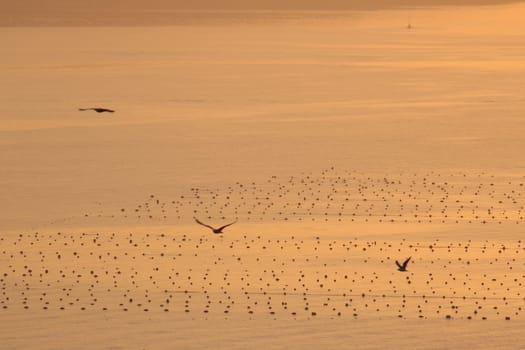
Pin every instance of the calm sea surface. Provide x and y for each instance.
(216, 98)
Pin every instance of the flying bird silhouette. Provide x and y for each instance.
(97, 109)
(402, 267)
(215, 230)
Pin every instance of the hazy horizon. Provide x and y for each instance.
(164, 12)
(56, 5)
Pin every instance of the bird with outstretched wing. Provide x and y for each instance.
(402, 267)
(97, 109)
(217, 230)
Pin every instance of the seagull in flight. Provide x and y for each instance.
(215, 230)
(97, 109)
(402, 267)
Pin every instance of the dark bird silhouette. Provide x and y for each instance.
(97, 109)
(215, 230)
(402, 267)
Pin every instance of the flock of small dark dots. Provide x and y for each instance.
(254, 275)
(345, 196)
(285, 276)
